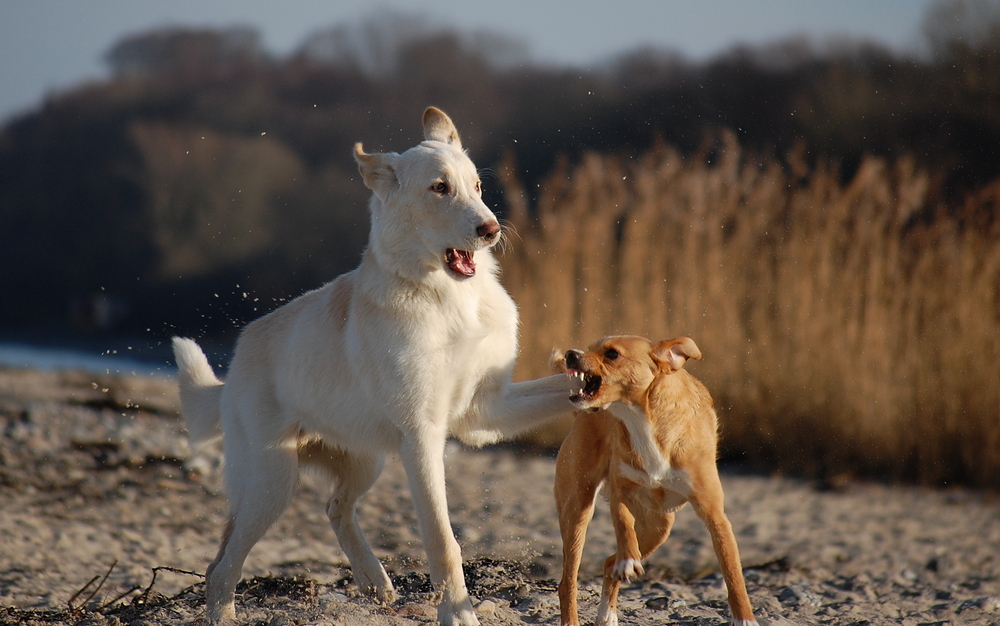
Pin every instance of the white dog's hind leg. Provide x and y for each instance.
(355, 476)
(260, 483)
(423, 457)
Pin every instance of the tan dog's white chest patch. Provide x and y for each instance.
(657, 471)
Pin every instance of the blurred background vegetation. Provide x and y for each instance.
(822, 218)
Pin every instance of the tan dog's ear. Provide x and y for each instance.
(376, 169)
(672, 354)
(557, 361)
(439, 127)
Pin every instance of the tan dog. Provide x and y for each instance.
(649, 431)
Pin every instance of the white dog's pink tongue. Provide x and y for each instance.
(460, 262)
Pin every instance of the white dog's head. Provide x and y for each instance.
(427, 210)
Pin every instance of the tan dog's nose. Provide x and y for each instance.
(573, 359)
(488, 230)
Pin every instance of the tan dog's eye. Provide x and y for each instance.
(611, 354)
(440, 187)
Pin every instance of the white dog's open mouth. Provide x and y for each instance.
(589, 385)
(460, 262)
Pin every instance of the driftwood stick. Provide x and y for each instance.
(80, 591)
(94, 592)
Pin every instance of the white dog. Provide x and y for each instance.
(415, 344)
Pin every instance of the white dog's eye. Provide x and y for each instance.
(479, 187)
(440, 187)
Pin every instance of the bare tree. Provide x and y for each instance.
(961, 24)
(186, 50)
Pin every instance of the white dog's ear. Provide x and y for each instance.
(439, 127)
(375, 169)
(672, 354)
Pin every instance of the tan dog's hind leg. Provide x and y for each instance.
(708, 501)
(607, 610)
(638, 534)
(626, 563)
(652, 532)
(579, 475)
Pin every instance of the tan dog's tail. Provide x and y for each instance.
(200, 389)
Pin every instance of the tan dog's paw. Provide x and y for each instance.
(627, 569)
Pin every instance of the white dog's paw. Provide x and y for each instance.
(458, 614)
(378, 587)
(382, 595)
(221, 615)
(627, 569)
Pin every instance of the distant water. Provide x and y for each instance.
(110, 362)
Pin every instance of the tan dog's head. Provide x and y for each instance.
(621, 368)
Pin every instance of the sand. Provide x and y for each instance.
(98, 486)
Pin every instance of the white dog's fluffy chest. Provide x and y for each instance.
(408, 351)
(463, 332)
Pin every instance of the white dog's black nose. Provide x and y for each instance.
(489, 230)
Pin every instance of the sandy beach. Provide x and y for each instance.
(101, 494)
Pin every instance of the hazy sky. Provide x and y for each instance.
(47, 46)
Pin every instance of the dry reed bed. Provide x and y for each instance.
(847, 328)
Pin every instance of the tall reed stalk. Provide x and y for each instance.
(847, 328)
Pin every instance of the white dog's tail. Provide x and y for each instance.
(200, 389)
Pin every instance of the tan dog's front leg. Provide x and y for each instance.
(581, 467)
(708, 501)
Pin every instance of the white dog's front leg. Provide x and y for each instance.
(504, 410)
(423, 459)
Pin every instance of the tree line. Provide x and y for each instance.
(207, 179)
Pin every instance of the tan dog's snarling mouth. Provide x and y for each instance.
(589, 382)
(591, 385)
